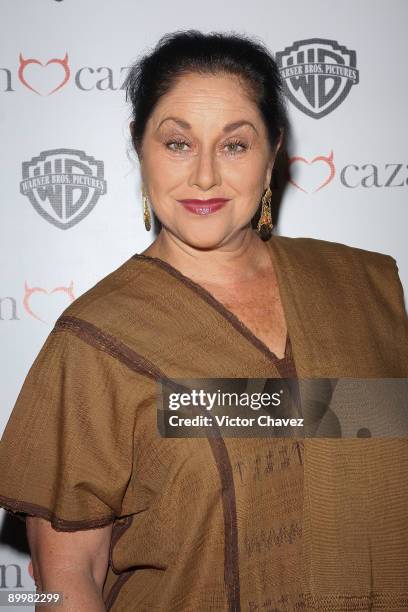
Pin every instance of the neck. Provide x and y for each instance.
(242, 259)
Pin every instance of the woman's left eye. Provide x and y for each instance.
(236, 147)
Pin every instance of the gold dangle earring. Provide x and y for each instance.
(146, 211)
(265, 224)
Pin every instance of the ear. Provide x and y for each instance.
(136, 149)
(269, 168)
(281, 138)
(272, 159)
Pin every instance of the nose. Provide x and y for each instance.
(205, 172)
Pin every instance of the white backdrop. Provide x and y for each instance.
(62, 65)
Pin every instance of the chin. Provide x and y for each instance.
(208, 241)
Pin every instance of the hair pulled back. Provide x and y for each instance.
(182, 52)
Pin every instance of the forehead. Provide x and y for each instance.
(203, 97)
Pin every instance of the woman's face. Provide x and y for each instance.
(206, 139)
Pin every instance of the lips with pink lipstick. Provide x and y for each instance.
(204, 207)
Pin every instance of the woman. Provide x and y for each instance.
(123, 519)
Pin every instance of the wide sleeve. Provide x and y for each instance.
(392, 296)
(66, 452)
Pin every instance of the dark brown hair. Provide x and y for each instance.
(181, 52)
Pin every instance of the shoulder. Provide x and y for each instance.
(327, 255)
(314, 246)
(110, 298)
(344, 269)
(108, 324)
(340, 266)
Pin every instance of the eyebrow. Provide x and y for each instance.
(230, 127)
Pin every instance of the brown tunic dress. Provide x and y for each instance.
(233, 524)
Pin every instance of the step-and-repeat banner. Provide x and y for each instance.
(71, 207)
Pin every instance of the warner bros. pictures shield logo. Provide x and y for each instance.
(318, 74)
(63, 185)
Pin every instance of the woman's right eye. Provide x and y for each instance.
(178, 143)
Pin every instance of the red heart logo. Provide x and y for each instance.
(322, 176)
(29, 62)
(49, 309)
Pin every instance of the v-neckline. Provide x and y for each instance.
(223, 310)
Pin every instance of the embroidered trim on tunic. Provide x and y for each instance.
(17, 507)
(118, 531)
